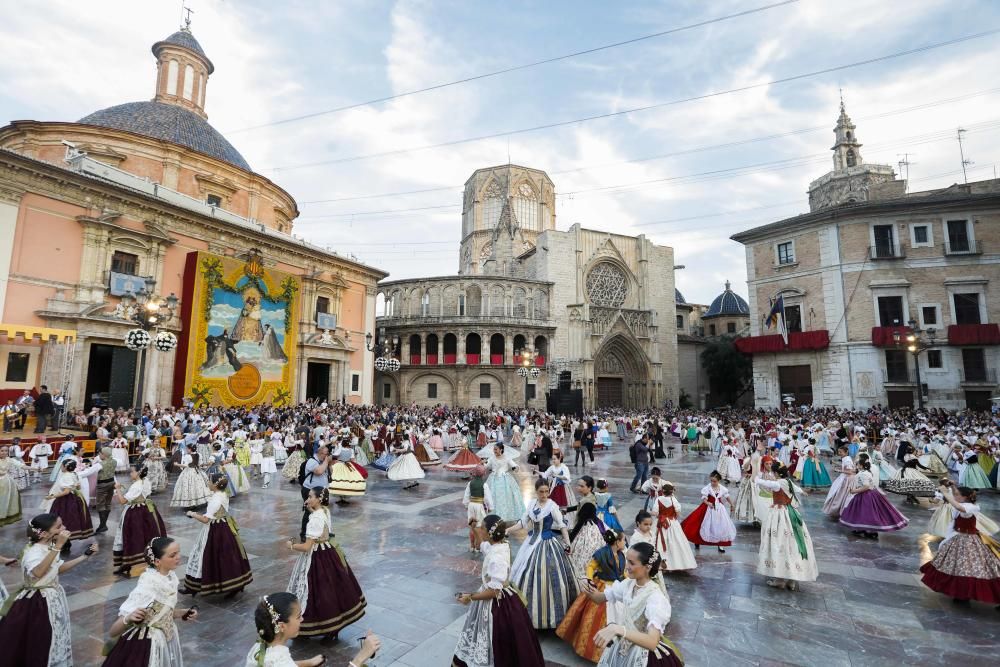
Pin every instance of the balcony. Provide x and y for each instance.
(963, 247)
(977, 375)
(885, 336)
(974, 334)
(797, 341)
(472, 359)
(885, 251)
(905, 376)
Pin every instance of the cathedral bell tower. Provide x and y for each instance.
(847, 150)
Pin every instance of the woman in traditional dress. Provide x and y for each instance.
(145, 634)
(218, 562)
(973, 475)
(405, 468)
(191, 488)
(910, 482)
(559, 479)
(321, 579)
(967, 564)
(728, 465)
(840, 491)
(542, 570)
(587, 534)
(119, 451)
(346, 479)
(425, 454)
(868, 512)
(139, 523)
(709, 523)
(814, 473)
(21, 475)
(637, 640)
(68, 502)
(670, 540)
(464, 460)
(503, 486)
(745, 509)
(34, 628)
(66, 450)
(278, 617)
(607, 513)
(278, 447)
(497, 630)
(234, 469)
(366, 454)
(652, 488)
(786, 553)
(10, 496)
(156, 465)
(290, 471)
(585, 617)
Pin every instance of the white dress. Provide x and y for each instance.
(642, 607)
(157, 594)
(670, 540)
(475, 643)
(119, 452)
(717, 526)
(256, 452)
(406, 466)
(274, 656)
(48, 586)
(779, 554)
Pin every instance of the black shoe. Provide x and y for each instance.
(187, 591)
(721, 550)
(697, 547)
(101, 529)
(858, 533)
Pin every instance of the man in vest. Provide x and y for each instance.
(105, 487)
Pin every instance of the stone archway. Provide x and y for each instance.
(621, 374)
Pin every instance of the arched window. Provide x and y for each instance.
(425, 304)
(414, 349)
(519, 343)
(450, 348)
(850, 136)
(188, 81)
(172, 70)
(492, 205)
(851, 159)
(432, 349)
(520, 307)
(497, 350)
(198, 90)
(380, 305)
(474, 300)
(473, 348)
(526, 207)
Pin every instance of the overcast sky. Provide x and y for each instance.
(683, 186)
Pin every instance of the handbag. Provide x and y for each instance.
(576, 444)
(533, 458)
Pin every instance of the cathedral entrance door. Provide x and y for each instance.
(610, 393)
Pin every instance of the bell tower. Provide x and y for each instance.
(847, 150)
(182, 71)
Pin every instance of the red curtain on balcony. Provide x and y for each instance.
(496, 359)
(472, 359)
(539, 361)
(883, 336)
(450, 358)
(799, 340)
(974, 334)
(432, 359)
(415, 359)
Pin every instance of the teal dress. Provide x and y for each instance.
(604, 505)
(814, 474)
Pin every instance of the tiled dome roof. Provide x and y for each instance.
(185, 39)
(678, 297)
(168, 122)
(728, 303)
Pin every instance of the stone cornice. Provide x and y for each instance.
(20, 173)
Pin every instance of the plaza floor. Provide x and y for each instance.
(409, 552)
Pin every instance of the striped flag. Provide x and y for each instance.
(776, 318)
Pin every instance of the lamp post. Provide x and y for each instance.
(385, 359)
(150, 312)
(527, 368)
(916, 345)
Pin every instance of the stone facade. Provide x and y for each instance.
(589, 302)
(852, 269)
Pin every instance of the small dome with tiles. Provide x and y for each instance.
(729, 303)
(678, 297)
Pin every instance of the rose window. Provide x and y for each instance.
(607, 286)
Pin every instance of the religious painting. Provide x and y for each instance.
(240, 320)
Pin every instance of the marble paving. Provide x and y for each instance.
(409, 551)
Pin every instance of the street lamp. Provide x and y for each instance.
(150, 312)
(527, 368)
(916, 345)
(385, 359)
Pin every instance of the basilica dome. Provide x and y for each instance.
(168, 122)
(729, 303)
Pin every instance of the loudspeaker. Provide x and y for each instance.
(565, 401)
(565, 380)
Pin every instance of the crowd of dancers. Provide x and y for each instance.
(577, 571)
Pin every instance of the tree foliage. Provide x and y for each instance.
(729, 372)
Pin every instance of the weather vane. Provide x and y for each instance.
(187, 19)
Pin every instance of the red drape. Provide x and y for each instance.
(974, 334)
(496, 359)
(883, 336)
(472, 359)
(539, 360)
(799, 340)
(450, 358)
(432, 359)
(415, 359)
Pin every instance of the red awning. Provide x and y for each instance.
(974, 334)
(797, 341)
